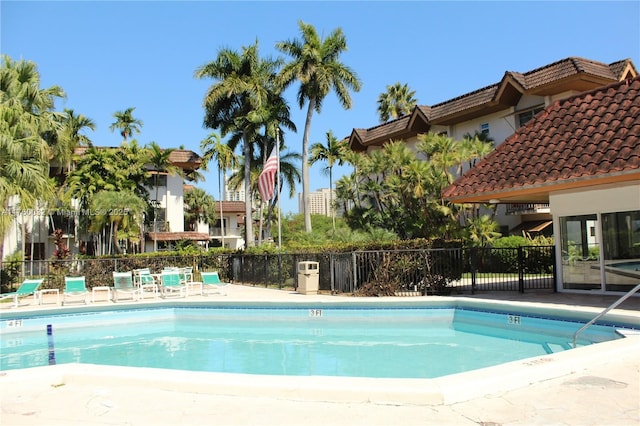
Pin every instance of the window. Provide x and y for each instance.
(65, 222)
(38, 251)
(580, 246)
(484, 129)
(161, 178)
(598, 246)
(524, 117)
(621, 249)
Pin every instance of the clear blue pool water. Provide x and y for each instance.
(630, 266)
(398, 343)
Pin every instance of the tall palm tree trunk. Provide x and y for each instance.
(306, 196)
(333, 210)
(248, 221)
(221, 214)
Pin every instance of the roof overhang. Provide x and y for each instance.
(540, 193)
(177, 236)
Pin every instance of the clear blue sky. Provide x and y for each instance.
(112, 55)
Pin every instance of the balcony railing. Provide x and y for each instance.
(528, 208)
(228, 232)
(159, 227)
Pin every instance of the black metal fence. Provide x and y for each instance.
(418, 271)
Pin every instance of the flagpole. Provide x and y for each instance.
(279, 192)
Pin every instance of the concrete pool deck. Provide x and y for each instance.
(593, 385)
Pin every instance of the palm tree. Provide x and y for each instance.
(443, 152)
(126, 123)
(482, 230)
(26, 116)
(110, 169)
(289, 174)
(213, 149)
(159, 161)
(244, 88)
(315, 64)
(70, 136)
(332, 153)
(397, 101)
(121, 210)
(199, 206)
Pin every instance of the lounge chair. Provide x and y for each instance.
(186, 275)
(75, 287)
(211, 281)
(123, 284)
(172, 283)
(27, 288)
(147, 283)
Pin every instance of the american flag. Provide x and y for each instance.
(266, 181)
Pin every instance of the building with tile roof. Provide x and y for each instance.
(231, 234)
(168, 228)
(497, 111)
(581, 155)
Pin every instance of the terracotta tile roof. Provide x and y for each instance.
(177, 236)
(584, 140)
(232, 206)
(577, 74)
(565, 68)
(185, 158)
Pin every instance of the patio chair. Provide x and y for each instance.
(172, 283)
(75, 287)
(145, 281)
(186, 275)
(123, 283)
(27, 288)
(211, 281)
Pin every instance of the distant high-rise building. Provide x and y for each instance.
(320, 202)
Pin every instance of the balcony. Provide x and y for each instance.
(159, 227)
(518, 209)
(228, 232)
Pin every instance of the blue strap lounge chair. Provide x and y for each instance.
(211, 281)
(27, 288)
(172, 283)
(75, 287)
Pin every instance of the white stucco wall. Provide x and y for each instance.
(595, 200)
(598, 199)
(173, 201)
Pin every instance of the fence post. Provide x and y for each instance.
(474, 272)
(520, 269)
(555, 269)
(331, 271)
(354, 284)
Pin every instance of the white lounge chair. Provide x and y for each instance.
(172, 283)
(123, 284)
(145, 281)
(27, 288)
(75, 287)
(211, 282)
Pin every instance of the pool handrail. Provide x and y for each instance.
(604, 312)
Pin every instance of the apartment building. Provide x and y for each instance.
(498, 110)
(319, 202)
(31, 230)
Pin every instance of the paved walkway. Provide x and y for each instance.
(593, 385)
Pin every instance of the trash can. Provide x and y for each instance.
(308, 277)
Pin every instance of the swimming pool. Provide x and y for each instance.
(629, 269)
(408, 341)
